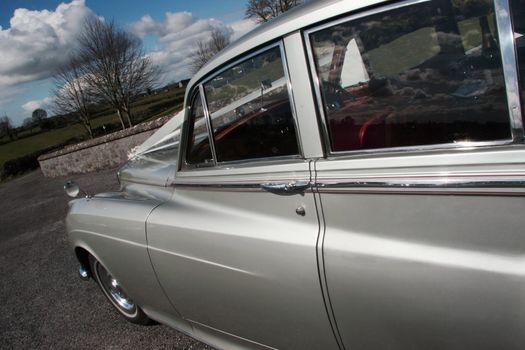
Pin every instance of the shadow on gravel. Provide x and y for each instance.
(43, 304)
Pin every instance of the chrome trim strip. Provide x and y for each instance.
(217, 185)
(248, 185)
(425, 183)
(233, 187)
(510, 67)
(429, 192)
(504, 185)
(514, 114)
(489, 183)
(208, 123)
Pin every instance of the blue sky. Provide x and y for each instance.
(40, 34)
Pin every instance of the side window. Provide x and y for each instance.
(198, 150)
(250, 110)
(429, 73)
(518, 21)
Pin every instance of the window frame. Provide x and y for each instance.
(185, 139)
(508, 56)
(200, 87)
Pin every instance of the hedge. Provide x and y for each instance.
(24, 164)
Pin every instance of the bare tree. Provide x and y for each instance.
(115, 66)
(204, 51)
(6, 128)
(72, 93)
(264, 10)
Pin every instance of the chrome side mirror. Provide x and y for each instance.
(72, 189)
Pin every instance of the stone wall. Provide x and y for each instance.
(101, 153)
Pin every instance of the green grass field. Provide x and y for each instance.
(143, 109)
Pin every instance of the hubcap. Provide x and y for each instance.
(115, 291)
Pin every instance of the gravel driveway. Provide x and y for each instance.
(43, 304)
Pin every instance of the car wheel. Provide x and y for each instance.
(116, 295)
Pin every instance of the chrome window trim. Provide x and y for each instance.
(208, 124)
(291, 100)
(236, 164)
(258, 162)
(458, 146)
(515, 124)
(184, 165)
(507, 46)
(251, 161)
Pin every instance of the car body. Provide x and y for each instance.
(350, 175)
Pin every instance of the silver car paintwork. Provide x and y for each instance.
(254, 271)
(429, 262)
(396, 250)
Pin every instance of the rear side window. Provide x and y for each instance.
(250, 110)
(198, 150)
(424, 74)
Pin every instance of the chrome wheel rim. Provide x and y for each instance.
(115, 292)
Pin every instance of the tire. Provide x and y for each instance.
(116, 295)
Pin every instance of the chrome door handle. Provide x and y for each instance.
(286, 187)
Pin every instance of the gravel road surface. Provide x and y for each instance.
(43, 303)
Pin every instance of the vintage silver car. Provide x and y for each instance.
(350, 175)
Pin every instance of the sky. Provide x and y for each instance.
(37, 36)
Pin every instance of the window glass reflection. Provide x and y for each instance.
(250, 110)
(425, 74)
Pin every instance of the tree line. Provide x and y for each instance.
(110, 67)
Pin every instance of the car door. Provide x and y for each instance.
(423, 190)
(235, 247)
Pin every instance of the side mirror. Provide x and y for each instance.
(72, 189)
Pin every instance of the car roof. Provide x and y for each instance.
(299, 17)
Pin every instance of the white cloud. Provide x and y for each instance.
(36, 42)
(30, 106)
(177, 35)
(241, 27)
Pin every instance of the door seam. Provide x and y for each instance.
(319, 253)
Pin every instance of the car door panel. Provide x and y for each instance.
(422, 257)
(241, 260)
